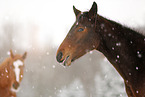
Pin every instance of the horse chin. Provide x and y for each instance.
(15, 90)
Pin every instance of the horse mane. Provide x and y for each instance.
(123, 31)
(114, 23)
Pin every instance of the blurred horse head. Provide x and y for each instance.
(11, 74)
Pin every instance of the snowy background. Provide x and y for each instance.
(39, 26)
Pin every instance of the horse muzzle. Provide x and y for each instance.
(65, 59)
(15, 87)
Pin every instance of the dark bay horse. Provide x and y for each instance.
(123, 47)
(11, 74)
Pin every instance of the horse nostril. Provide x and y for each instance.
(59, 57)
(15, 85)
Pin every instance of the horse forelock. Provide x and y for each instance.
(86, 20)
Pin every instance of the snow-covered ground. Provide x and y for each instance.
(39, 26)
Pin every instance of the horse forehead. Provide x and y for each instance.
(18, 63)
(83, 20)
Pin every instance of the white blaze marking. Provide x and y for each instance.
(16, 64)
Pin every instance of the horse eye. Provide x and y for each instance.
(80, 30)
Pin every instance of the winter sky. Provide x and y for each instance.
(55, 17)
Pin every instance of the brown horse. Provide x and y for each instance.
(123, 47)
(11, 74)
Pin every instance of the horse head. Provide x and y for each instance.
(81, 38)
(17, 67)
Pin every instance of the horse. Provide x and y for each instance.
(123, 47)
(11, 74)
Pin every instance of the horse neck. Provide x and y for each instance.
(121, 45)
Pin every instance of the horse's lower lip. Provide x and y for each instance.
(67, 61)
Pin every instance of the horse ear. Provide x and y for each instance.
(24, 55)
(93, 11)
(76, 11)
(11, 54)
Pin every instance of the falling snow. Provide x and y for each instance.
(136, 68)
(2, 74)
(6, 70)
(118, 56)
(139, 54)
(91, 52)
(47, 53)
(8, 53)
(102, 26)
(21, 76)
(109, 34)
(118, 44)
(7, 76)
(53, 66)
(43, 76)
(131, 42)
(94, 46)
(69, 46)
(112, 48)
